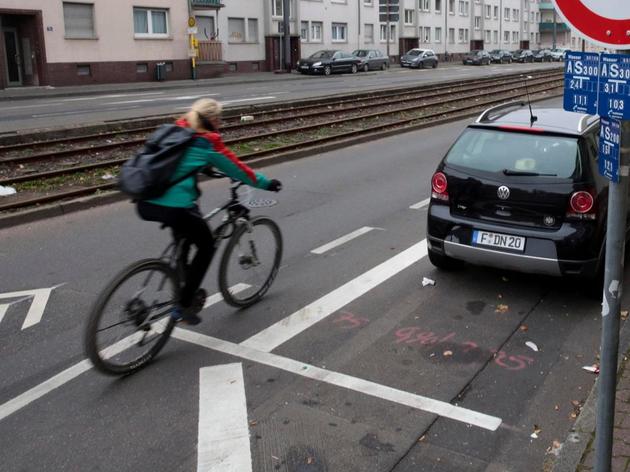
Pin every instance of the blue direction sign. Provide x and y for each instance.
(581, 75)
(614, 86)
(609, 139)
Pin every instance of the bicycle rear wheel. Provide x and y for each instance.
(130, 321)
(250, 262)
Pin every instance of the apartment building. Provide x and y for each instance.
(59, 42)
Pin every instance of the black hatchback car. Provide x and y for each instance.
(328, 61)
(521, 196)
(477, 57)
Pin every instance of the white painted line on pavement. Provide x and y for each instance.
(223, 438)
(217, 297)
(285, 329)
(3, 311)
(253, 99)
(38, 305)
(343, 240)
(79, 112)
(120, 95)
(366, 387)
(142, 100)
(419, 205)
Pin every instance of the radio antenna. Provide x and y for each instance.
(532, 117)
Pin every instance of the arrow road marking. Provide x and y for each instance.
(38, 305)
(3, 311)
(343, 240)
(223, 441)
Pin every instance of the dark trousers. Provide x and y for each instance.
(186, 223)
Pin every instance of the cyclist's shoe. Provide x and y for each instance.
(189, 314)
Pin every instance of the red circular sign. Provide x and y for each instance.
(605, 23)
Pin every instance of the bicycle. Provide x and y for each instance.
(145, 310)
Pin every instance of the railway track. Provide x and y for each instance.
(76, 172)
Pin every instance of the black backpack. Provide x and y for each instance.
(148, 174)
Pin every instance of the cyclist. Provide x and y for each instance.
(178, 209)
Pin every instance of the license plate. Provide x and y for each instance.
(303, 67)
(503, 241)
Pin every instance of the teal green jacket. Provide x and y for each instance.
(206, 149)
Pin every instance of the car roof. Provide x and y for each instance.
(552, 120)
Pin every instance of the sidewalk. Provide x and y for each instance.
(621, 433)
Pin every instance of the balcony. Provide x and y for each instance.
(210, 51)
(545, 6)
(547, 27)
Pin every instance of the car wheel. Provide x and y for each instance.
(444, 262)
(327, 70)
(421, 65)
(354, 69)
(435, 64)
(383, 66)
(366, 68)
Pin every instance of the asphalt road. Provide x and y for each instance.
(44, 112)
(357, 385)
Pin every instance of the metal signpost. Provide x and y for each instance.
(606, 24)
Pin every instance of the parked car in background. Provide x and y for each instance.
(371, 59)
(500, 56)
(542, 55)
(419, 58)
(477, 57)
(558, 54)
(521, 195)
(328, 61)
(523, 55)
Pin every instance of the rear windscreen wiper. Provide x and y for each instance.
(526, 174)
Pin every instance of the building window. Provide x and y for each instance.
(515, 37)
(466, 35)
(425, 34)
(496, 13)
(488, 36)
(304, 31)
(477, 22)
(367, 2)
(205, 28)
(506, 37)
(438, 6)
(339, 32)
(424, 5)
(451, 7)
(392, 33)
(488, 11)
(142, 68)
(276, 8)
(85, 70)
(78, 19)
(236, 30)
(514, 14)
(438, 35)
(150, 22)
(495, 35)
(316, 31)
(506, 14)
(252, 30)
(461, 35)
(369, 33)
(451, 35)
(409, 17)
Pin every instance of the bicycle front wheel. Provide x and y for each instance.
(130, 321)
(250, 262)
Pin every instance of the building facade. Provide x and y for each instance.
(58, 42)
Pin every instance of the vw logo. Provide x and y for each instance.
(549, 220)
(503, 192)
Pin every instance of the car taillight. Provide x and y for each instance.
(582, 205)
(439, 184)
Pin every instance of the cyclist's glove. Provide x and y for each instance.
(274, 185)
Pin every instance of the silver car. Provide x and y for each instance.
(419, 59)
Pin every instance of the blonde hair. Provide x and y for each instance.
(204, 107)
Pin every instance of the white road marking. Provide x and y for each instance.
(142, 100)
(366, 387)
(419, 205)
(120, 95)
(79, 112)
(342, 240)
(223, 438)
(280, 332)
(248, 99)
(3, 311)
(217, 297)
(38, 305)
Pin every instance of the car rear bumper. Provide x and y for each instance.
(452, 236)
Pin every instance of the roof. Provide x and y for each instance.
(553, 120)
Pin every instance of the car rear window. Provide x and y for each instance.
(513, 153)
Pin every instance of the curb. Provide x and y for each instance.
(62, 208)
(582, 431)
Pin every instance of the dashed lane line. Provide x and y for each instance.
(343, 240)
(419, 205)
